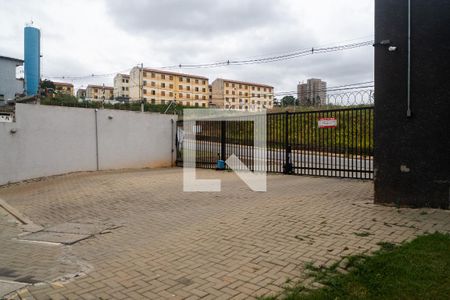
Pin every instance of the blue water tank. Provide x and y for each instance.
(32, 64)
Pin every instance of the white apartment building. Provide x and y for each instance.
(122, 86)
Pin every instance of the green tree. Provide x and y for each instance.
(288, 100)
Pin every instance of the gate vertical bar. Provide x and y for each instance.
(223, 144)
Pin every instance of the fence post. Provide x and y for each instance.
(223, 144)
(287, 169)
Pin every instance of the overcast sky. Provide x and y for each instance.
(98, 37)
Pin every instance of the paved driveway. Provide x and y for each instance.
(169, 244)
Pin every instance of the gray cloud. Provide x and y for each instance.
(194, 18)
(84, 37)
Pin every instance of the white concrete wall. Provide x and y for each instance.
(51, 140)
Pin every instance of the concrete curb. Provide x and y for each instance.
(26, 223)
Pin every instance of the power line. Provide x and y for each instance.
(225, 63)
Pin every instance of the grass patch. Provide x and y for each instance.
(419, 269)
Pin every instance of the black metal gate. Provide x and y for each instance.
(334, 143)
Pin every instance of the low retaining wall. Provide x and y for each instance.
(52, 140)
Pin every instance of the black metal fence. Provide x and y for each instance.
(334, 143)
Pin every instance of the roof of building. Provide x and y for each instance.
(62, 84)
(11, 58)
(175, 73)
(100, 87)
(123, 75)
(246, 83)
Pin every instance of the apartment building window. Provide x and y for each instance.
(145, 82)
(180, 95)
(188, 96)
(163, 76)
(153, 92)
(95, 90)
(188, 87)
(180, 79)
(196, 97)
(246, 94)
(127, 88)
(171, 86)
(145, 74)
(163, 93)
(180, 87)
(127, 81)
(259, 89)
(153, 83)
(170, 77)
(96, 97)
(203, 90)
(233, 92)
(227, 85)
(259, 95)
(203, 104)
(170, 94)
(253, 101)
(163, 102)
(196, 81)
(265, 96)
(188, 80)
(163, 85)
(153, 75)
(232, 85)
(240, 93)
(196, 89)
(153, 101)
(204, 97)
(227, 92)
(204, 82)
(253, 88)
(196, 104)
(270, 96)
(123, 88)
(144, 91)
(240, 86)
(188, 103)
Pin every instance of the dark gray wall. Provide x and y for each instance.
(421, 143)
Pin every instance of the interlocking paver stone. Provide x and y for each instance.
(176, 245)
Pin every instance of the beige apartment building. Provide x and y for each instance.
(161, 87)
(121, 86)
(64, 88)
(313, 92)
(99, 92)
(240, 95)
